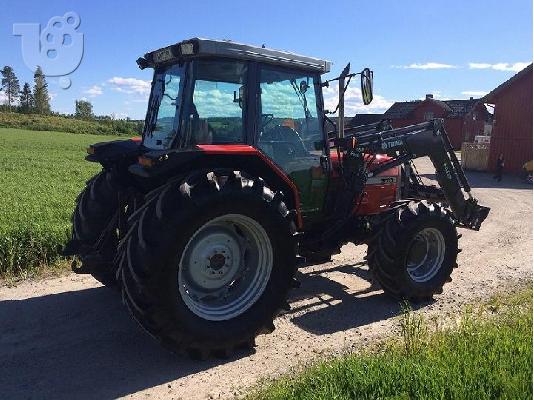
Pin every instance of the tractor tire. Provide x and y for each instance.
(95, 207)
(208, 261)
(413, 254)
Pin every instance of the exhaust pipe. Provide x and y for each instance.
(341, 110)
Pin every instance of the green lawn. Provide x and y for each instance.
(42, 173)
(486, 355)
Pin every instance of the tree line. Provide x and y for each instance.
(34, 100)
(29, 100)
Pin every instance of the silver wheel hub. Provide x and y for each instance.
(215, 259)
(225, 267)
(425, 256)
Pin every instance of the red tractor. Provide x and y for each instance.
(237, 181)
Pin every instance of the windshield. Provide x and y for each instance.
(162, 122)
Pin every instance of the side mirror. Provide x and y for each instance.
(239, 99)
(367, 86)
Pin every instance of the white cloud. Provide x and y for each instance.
(428, 65)
(130, 85)
(52, 95)
(93, 91)
(353, 101)
(213, 102)
(474, 93)
(515, 67)
(3, 97)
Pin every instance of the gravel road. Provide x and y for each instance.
(68, 337)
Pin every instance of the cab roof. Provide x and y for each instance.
(198, 47)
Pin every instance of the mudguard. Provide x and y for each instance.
(161, 165)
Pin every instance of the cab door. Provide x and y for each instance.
(290, 131)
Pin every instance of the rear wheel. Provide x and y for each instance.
(96, 207)
(415, 251)
(208, 261)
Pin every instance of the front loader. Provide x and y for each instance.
(237, 181)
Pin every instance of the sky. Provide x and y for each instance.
(454, 49)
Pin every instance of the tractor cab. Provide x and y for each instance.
(208, 92)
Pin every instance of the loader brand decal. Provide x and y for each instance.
(391, 144)
(382, 180)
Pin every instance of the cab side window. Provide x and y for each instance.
(218, 108)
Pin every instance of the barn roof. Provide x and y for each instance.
(364, 119)
(454, 108)
(459, 108)
(490, 97)
(401, 109)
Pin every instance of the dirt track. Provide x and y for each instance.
(68, 337)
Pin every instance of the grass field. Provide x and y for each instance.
(42, 173)
(486, 354)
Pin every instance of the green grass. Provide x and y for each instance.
(42, 173)
(486, 354)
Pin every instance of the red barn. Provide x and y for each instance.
(463, 118)
(512, 130)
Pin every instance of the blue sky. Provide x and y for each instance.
(452, 49)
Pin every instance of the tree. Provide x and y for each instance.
(10, 84)
(40, 92)
(26, 98)
(84, 109)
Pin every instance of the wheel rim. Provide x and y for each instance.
(425, 255)
(225, 267)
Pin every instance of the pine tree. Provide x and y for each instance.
(26, 98)
(10, 85)
(40, 92)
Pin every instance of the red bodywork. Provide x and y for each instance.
(251, 151)
(380, 191)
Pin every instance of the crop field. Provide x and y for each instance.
(42, 173)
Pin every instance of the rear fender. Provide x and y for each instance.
(162, 165)
(116, 151)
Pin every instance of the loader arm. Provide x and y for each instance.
(412, 142)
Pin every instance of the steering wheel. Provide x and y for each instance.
(285, 137)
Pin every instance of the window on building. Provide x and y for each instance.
(429, 115)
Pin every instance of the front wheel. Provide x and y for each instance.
(415, 251)
(208, 261)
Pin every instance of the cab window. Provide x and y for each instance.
(218, 105)
(289, 126)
